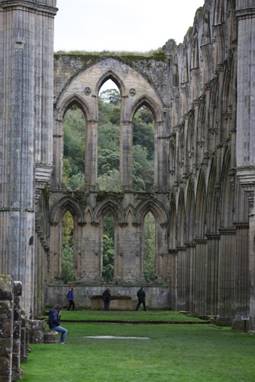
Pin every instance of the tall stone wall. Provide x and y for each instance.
(26, 83)
(205, 91)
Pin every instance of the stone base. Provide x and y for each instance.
(157, 296)
(117, 303)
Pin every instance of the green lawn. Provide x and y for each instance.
(174, 353)
(151, 315)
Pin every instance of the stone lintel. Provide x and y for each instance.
(36, 5)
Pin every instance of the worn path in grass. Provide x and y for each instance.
(174, 353)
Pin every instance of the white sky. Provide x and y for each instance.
(121, 25)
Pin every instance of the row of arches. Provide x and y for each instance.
(108, 151)
(112, 118)
(68, 271)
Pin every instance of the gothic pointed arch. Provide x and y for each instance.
(155, 207)
(68, 102)
(62, 206)
(150, 103)
(111, 75)
(108, 206)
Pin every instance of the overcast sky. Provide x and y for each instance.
(121, 25)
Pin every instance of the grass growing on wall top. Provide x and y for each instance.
(174, 353)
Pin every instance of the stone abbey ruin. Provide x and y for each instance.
(202, 97)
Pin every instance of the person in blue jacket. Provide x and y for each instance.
(70, 298)
(54, 323)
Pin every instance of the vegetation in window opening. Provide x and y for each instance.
(108, 249)
(149, 248)
(74, 148)
(109, 140)
(143, 150)
(68, 269)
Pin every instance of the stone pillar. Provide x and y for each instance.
(161, 152)
(245, 117)
(227, 254)
(21, 88)
(212, 273)
(91, 155)
(90, 252)
(16, 355)
(126, 158)
(6, 328)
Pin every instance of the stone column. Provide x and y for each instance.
(91, 155)
(212, 273)
(20, 36)
(245, 134)
(161, 151)
(227, 254)
(126, 157)
(6, 328)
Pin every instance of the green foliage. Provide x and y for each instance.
(108, 249)
(74, 148)
(143, 150)
(68, 273)
(149, 248)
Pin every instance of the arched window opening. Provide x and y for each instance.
(108, 248)
(143, 150)
(74, 148)
(68, 268)
(149, 232)
(109, 104)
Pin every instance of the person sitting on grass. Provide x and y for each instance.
(54, 323)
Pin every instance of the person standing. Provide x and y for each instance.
(54, 323)
(106, 299)
(70, 298)
(141, 298)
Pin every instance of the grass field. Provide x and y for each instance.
(174, 353)
(151, 315)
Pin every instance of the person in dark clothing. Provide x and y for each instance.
(70, 298)
(54, 323)
(141, 298)
(106, 299)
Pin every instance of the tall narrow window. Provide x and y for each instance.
(143, 150)
(149, 248)
(108, 248)
(74, 148)
(108, 175)
(68, 269)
